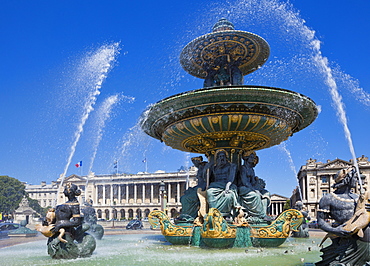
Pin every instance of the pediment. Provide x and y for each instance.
(278, 197)
(74, 178)
(337, 163)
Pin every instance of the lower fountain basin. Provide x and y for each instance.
(141, 249)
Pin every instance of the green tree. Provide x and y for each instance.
(287, 205)
(34, 204)
(11, 194)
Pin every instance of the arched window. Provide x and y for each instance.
(123, 214)
(312, 194)
(130, 214)
(99, 212)
(139, 214)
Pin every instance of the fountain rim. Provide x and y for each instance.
(231, 86)
(222, 32)
(155, 113)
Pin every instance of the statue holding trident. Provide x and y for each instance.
(350, 234)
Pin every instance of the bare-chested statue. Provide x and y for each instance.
(251, 190)
(222, 193)
(349, 245)
(190, 201)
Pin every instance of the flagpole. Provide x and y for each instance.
(115, 165)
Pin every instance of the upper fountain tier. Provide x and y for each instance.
(227, 114)
(224, 56)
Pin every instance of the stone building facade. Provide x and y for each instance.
(120, 196)
(316, 179)
(129, 196)
(277, 205)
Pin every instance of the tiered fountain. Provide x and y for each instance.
(233, 118)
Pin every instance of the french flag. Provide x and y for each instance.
(79, 164)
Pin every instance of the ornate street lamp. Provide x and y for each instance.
(163, 196)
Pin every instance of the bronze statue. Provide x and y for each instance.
(190, 201)
(348, 247)
(303, 229)
(222, 193)
(253, 196)
(64, 227)
(90, 218)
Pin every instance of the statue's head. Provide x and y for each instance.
(250, 157)
(345, 177)
(71, 190)
(299, 205)
(197, 161)
(221, 157)
(88, 202)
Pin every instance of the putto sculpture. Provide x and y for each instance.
(227, 122)
(64, 227)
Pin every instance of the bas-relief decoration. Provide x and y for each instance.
(363, 160)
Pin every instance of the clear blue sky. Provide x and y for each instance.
(42, 91)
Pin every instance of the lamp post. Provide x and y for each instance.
(163, 196)
(113, 213)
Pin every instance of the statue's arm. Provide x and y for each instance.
(232, 173)
(323, 213)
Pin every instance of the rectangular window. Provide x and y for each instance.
(324, 192)
(324, 179)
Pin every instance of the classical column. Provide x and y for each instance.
(103, 203)
(178, 192)
(151, 193)
(169, 193)
(135, 193)
(143, 192)
(111, 194)
(95, 194)
(119, 194)
(127, 193)
(304, 194)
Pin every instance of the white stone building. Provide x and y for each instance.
(120, 196)
(124, 196)
(316, 179)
